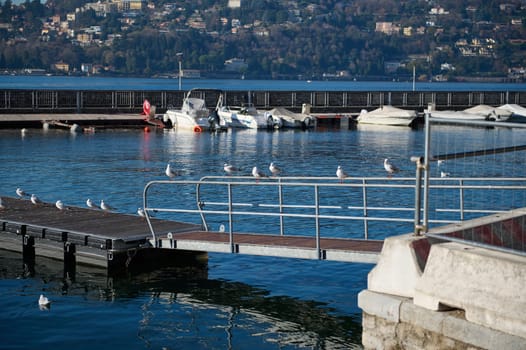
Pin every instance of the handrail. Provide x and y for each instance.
(223, 188)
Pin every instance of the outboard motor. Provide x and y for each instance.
(214, 121)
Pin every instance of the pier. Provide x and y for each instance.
(112, 102)
(118, 241)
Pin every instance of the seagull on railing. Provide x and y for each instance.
(274, 169)
(230, 169)
(257, 173)
(341, 174)
(141, 213)
(390, 167)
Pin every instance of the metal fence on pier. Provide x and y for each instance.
(126, 101)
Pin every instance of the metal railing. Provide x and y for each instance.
(500, 183)
(323, 202)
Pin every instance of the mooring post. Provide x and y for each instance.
(69, 260)
(28, 248)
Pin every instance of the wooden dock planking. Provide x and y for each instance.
(94, 222)
(339, 249)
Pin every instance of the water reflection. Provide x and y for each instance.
(177, 308)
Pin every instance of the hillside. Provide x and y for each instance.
(300, 39)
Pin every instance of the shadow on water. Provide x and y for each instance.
(283, 319)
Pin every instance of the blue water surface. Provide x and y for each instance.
(238, 302)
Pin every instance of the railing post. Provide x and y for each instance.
(365, 212)
(230, 220)
(426, 169)
(418, 195)
(461, 187)
(317, 214)
(281, 228)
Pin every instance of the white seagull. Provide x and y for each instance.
(444, 174)
(43, 302)
(257, 173)
(170, 172)
(90, 204)
(440, 162)
(35, 199)
(20, 192)
(390, 167)
(341, 174)
(141, 213)
(104, 206)
(59, 205)
(274, 169)
(230, 169)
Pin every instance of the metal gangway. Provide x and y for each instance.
(358, 208)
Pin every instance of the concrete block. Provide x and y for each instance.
(398, 268)
(488, 285)
(380, 305)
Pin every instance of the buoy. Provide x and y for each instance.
(146, 129)
(197, 128)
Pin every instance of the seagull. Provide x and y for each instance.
(274, 169)
(105, 206)
(35, 200)
(170, 172)
(90, 204)
(389, 167)
(440, 162)
(2, 206)
(59, 205)
(230, 169)
(141, 213)
(43, 302)
(20, 192)
(257, 173)
(341, 174)
(444, 174)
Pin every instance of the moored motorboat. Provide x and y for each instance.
(387, 115)
(245, 116)
(194, 115)
(284, 118)
(475, 113)
(518, 113)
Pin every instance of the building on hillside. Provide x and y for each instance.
(387, 28)
(234, 3)
(61, 66)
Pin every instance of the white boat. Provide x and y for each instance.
(246, 116)
(283, 118)
(518, 113)
(194, 115)
(495, 114)
(476, 113)
(387, 115)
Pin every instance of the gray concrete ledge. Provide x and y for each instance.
(397, 315)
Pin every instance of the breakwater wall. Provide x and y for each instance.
(130, 101)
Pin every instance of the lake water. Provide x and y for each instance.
(100, 83)
(239, 302)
